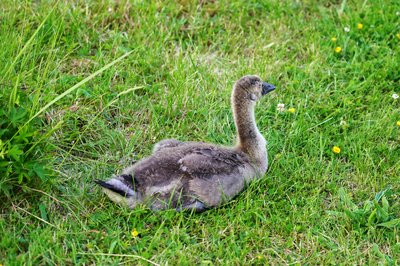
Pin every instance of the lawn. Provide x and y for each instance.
(88, 87)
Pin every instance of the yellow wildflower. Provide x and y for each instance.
(336, 149)
(134, 232)
(398, 35)
(291, 110)
(334, 39)
(338, 49)
(359, 26)
(259, 257)
(398, 123)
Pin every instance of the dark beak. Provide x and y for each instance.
(266, 87)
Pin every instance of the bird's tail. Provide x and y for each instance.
(120, 189)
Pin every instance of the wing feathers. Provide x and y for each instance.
(203, 162)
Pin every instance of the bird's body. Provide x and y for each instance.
(196, 175)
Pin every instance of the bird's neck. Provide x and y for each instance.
(249, 138)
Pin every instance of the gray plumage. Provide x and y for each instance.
(195, 175)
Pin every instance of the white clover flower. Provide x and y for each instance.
(280, 107)
(343, 123)
(398, 13)
(347, 29)
(395, 96)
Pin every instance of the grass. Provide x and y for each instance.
(312, 207)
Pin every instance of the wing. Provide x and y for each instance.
(209, 161)
(166, 143)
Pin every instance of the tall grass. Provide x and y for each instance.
(95, 84)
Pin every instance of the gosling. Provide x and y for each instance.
(196, 176)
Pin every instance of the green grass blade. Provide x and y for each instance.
(76, 86)
(28, 43)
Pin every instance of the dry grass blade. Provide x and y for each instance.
(119, 255)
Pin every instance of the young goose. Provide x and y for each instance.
(195, 175)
